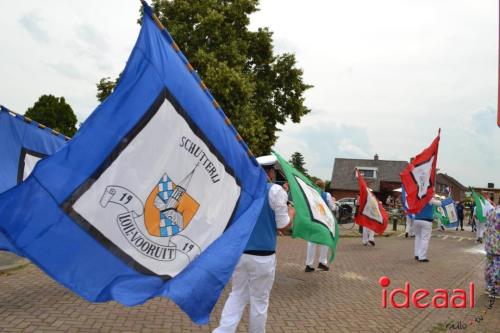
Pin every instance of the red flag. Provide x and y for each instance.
(419, 176)
(370, 214)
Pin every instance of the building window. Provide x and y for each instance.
(370, 173)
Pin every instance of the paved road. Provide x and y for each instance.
(346, 299)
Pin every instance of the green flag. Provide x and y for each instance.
(314, 221)
(483, 206)
(441, 215)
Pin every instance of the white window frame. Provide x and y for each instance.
(374, 169)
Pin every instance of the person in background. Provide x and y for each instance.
(492, 248)
(460, 215)
(480, 227)
(472, 221)
(409, 230)
(368, 236)
(323, 249)
(253, 276)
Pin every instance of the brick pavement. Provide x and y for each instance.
(346, 299)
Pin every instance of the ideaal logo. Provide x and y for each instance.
(168, 211)
(419, 297)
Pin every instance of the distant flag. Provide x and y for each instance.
(156, 194)
(313, 221)
(447, 213)
(447, 191)
(483, 206)
(370, 214)
(23, 142)
(419, 176)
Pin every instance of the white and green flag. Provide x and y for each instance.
(483, 206)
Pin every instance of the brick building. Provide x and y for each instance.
(382, 176)
(444, 181)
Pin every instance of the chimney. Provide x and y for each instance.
(375, 157)
(491, 185)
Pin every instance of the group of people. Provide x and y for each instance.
(254, 274)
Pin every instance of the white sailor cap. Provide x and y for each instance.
(267, 160)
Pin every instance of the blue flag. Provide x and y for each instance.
(23, 143)
(156, 194)
(449, 211)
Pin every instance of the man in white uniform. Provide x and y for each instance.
(423, 230)
(253, 277)
(323, 249)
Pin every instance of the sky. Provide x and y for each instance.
(386, 74)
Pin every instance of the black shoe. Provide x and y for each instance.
(480, 240)
(462, 230)
(457, 229)
(406, 235)
(423, 260)
(442, 228)
(365, 244)
(309, 269)
(416, 257)
(372, 243)
(323, 267)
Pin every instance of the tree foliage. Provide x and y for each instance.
(55, 113)
(257, 89)
(297, 161)
(105, 87)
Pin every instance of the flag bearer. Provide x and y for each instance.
(253, 277)
(323, 249)
(423, 229)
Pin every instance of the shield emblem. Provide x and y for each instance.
(169, 208)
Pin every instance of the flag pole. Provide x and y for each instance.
(216, 105)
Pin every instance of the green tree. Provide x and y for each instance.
(105, 87)
(55, 113)
(257, 89)
(297, 161)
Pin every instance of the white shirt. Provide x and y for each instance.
(330, 202)
(278, 201)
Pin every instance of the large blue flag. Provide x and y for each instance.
(23, 143)
(156, 194)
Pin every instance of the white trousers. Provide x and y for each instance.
(423, 232)
(311, 253)
(480, 227)
(252, 280)
(409, 226)
(368, 235)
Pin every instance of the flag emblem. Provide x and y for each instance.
(371, 208)
(422, 176)
(159, 217)
(169, 208)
